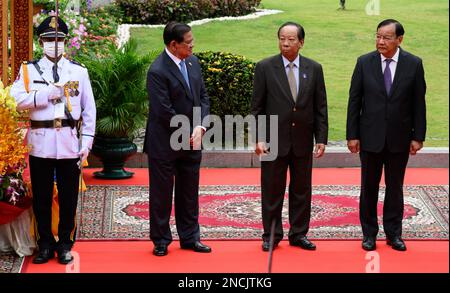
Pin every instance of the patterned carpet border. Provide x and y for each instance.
(10, 263)
(233, 212)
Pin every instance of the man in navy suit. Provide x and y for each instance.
(386, 122)
(175, 87)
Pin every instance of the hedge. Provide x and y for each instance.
(229, 82)
(163, 11)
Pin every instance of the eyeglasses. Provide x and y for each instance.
(189, 44)
(282, 40)
(385, 38)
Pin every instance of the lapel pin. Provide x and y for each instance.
(190, 64)
(304, 75)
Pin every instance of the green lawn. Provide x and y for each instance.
(335, 39)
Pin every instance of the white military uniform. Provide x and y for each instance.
(56, 143)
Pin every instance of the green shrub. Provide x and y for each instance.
(163, 11)
(234, 7)
(229, 82)
(118, 83)
(49, 5)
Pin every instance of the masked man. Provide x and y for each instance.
(58, 94)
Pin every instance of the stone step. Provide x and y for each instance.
(335, 157)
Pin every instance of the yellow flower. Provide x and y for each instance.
(212, 69)
(12, 153)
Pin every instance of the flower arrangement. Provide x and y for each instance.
(77, 29)
(12, 163)
(90, 31)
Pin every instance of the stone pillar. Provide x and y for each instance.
(4, 42)
(21, 33)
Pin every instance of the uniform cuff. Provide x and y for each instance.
(87, 141)
(41, 99)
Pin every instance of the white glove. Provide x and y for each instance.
(54, 92)
(83, 154)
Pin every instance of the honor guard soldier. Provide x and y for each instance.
(58, 94)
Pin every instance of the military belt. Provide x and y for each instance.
(57, 123)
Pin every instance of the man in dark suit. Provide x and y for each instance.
(291, 87)
(386, 122)
(175, 86)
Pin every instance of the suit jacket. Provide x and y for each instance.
(169, 95)
(378, 119)
(298, 123)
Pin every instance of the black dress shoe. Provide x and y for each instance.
(304, 243)
(266, 245)
(64, 256)
(160, 250)
(197, 246)
(369, 243)
(44, 256)
(396, 243)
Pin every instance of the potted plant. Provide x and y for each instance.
(118, 83)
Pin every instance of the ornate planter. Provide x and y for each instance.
(113, 153)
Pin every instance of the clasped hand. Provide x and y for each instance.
(196, 138)
(55, 91)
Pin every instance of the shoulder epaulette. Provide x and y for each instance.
(30, 62)
(77, 63)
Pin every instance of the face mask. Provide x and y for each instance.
(49, 48)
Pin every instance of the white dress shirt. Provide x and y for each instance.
(175, 59)
(392, 65)
(295, 69)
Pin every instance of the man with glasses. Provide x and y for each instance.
(386, 122)
(292, 87)
(175, 87)
(58, 94)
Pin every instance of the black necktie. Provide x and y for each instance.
(55, 73)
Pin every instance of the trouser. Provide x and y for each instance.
(43, 172)
(394, 172)
(273, 186)
(184, 172)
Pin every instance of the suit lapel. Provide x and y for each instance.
(173, 68)
(304, 75)
(280, 75)
(377, 70)
(398, 71)
(191, 75)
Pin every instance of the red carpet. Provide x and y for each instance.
(233, 212)
(247, 257)
(244, 176)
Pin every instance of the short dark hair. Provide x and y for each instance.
(175, 31)
(399, 31)
(300, 30)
